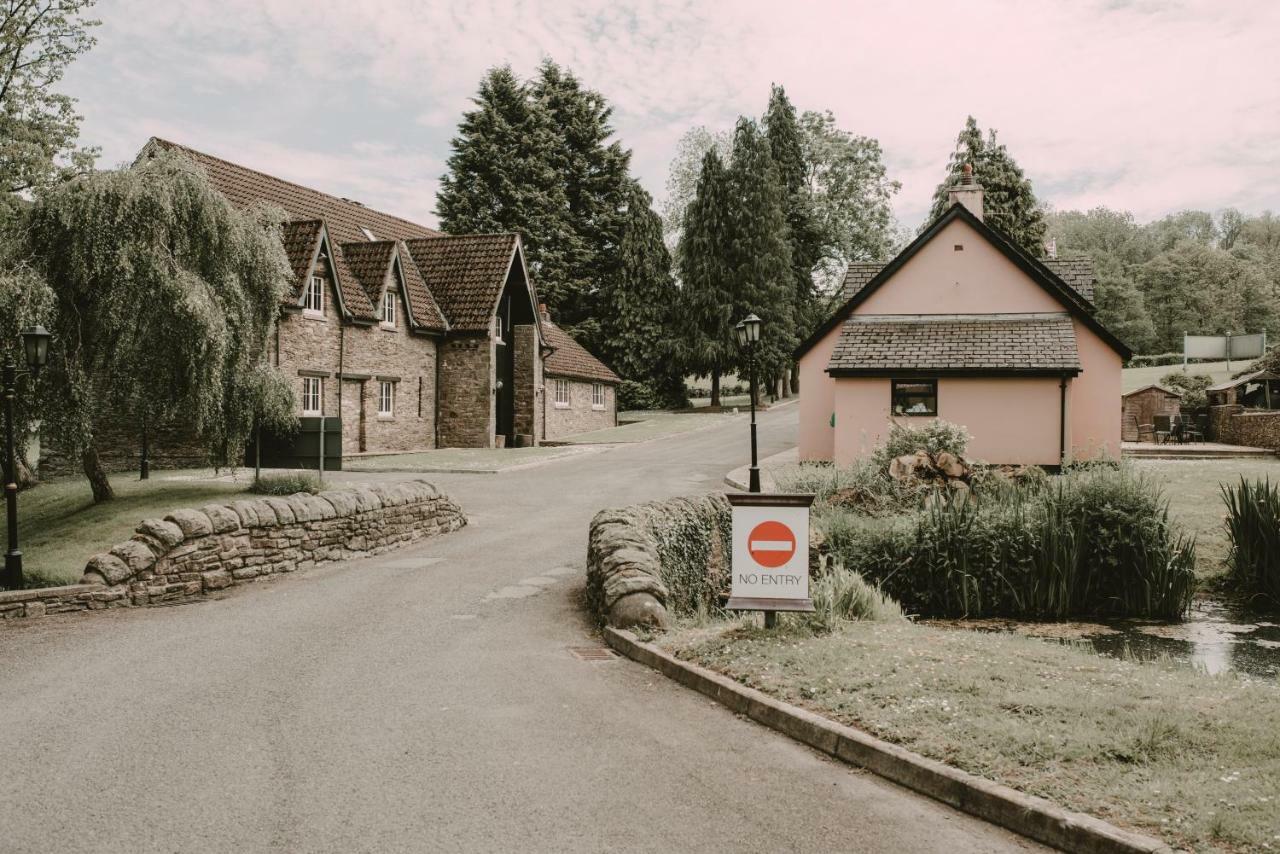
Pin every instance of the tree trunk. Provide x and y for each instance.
(795, 378)
(715, 387)
(26, 477)
(97, 477)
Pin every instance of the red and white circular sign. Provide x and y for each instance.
(771, 544)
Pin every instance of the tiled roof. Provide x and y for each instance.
(354, 297)
(571, 359)
(465, 273)
(857, 276)
(1076, 272)
(956, 343)
(370, 261)
(300, 238)
(343, 217)
(426, 312)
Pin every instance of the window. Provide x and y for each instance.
(314, 300)
(562, 394)
(597, 395)
(312, 395)
(915, 397)
(389, 308)
(386, 399)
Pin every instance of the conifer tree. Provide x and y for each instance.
(759, 253)
(639, 305)
(502, 177)
(787, 150)
(708, 295)
(1009, 204)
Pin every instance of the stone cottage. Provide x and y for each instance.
(411, 338)
(582, 393)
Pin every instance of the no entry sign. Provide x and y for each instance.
(770, 552)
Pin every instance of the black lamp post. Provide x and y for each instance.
(35, 347)
(748, 330)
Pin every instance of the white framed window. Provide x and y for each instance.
(312, 395)
(313, 302)
(597, 395)
(562, 394)
(386, 399)
(389, 309)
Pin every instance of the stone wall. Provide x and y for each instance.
(648, 559)
(169, 446)
(191, 553)
(466, 393)
(1234, 425)
(579, 416)
(528, 382)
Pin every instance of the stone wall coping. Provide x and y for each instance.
(9, 596)
(1257, 413)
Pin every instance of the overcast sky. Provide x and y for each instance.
(1145, 105)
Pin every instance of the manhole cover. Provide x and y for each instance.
(592, 653)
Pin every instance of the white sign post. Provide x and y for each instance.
(770, 553)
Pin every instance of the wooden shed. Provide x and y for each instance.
(1140, 406)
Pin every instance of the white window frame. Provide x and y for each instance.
(386, 399)
(598, 396)
(389, 309)
(562, 394)
(313, 392)
(313, 300)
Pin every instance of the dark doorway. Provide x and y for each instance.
(504, 353)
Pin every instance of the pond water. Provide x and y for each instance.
(1216, 637)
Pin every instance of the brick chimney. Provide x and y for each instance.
(968, 192)
(543, 313)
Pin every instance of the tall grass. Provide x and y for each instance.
(287, 483)
(841, 595)
(1253, 526)
(1096, 543)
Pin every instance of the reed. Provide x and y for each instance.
(1253, 529)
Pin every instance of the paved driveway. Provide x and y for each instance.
(420, 701)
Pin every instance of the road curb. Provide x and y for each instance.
(1035, 818)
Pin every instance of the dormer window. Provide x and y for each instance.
(313, 301)
(389, 309)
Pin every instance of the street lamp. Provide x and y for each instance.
(35, 347)
(748, 330)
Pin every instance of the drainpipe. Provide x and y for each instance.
(1062, 422)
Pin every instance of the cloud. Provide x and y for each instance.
(1151, 107)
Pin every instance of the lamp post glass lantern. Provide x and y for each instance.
(35, 349)
(748, 331)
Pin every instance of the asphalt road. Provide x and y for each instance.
(423, 701)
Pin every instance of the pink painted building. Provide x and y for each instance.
(965, 326)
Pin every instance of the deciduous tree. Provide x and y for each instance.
(164, 299)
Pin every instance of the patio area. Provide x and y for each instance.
(1192, 451)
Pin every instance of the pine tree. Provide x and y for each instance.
(1009, 204)
(760, 252)
(708, 295)
(639, 305)
(595, 174)
(502, 177)
(787, 150)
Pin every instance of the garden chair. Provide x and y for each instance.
(1163, 428)
(1188, 429)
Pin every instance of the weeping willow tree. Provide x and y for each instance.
(164, 299)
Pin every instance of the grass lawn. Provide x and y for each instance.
(1159, 748)
(60, 527)
(455, 459)
(1195, 500)
(1139, 377)
(648, 425)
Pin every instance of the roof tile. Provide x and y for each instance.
(571, 359)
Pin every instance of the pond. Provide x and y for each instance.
(1216, 637)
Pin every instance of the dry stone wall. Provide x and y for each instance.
(191, 553)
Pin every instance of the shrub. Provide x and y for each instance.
(694, 545)
(841, 595)
(650, 395)
(933, 436)
(287, 483)
(1190, 386)
(1253, 529)
(1091, 543)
